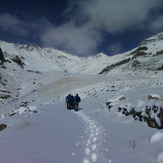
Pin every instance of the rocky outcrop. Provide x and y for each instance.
(154, 97)
(18, 61)
(2, 126)
(160, 68)
(2, 58)
(145, 116)
(152, 114)
(112, 66)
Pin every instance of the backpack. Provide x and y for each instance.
(77, 99)
(71, 99)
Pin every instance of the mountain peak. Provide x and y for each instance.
(101, 55)
(146, 56)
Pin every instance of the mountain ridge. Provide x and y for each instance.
(147, 56)
(34, 83)
(27, 66)
(62, 60)
(148, 52)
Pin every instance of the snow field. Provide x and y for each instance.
(91, 135)
(92, 142)
(47, 136)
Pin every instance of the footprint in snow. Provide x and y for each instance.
(93, 140)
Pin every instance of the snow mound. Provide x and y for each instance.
(22, 110)
(157, 137)
(117, 98)
(160, 158)
(32, 107)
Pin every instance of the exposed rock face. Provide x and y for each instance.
(147, 56)
(136, 63)
(108, 68)
(154, 97)
(2, 126)
(138, 115)
(151, 113)
(18, 61)
(2, 58)
(122, 98)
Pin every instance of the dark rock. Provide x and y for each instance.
(5, 96)
(153, 97)
(125, 111)
(2, 58)
(25, 104)
(139, 49)
(119, 109)
(2, 126)
(136, 63)
(108, 103)
(160, 68)
(152, 123)
(12, 114)
(138, 54)
(159, 52)
(122, 98)
(110, 106)
(18, 61)
(112, 66)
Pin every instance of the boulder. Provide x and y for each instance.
(2, 126)
(122, 98)
(154, 97)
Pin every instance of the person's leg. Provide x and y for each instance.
(68, 105)
(77, 105)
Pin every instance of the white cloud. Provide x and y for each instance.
(116, 15)
(89, 21)
(157, 24)
(78, 40)
(10, 23)
(83, 33)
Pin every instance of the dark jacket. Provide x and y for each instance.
(77, 98)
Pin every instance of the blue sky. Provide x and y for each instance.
(81, 27)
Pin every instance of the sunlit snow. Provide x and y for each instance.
(41, 130)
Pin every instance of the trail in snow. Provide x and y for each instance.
(93, 139)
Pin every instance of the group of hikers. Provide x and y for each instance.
(73, 102)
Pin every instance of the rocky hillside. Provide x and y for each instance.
(27, 66)
(147, 56)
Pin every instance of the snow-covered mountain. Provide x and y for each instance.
(48, 59)
(28, 65)
(37, 80)
(31, 60)
(147, 56)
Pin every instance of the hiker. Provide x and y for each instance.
(71, 102)
(77, 99)
(67, 101)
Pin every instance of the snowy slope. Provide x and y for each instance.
(41, 129)
(92, 134)
(147, 56)
(48, 59)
